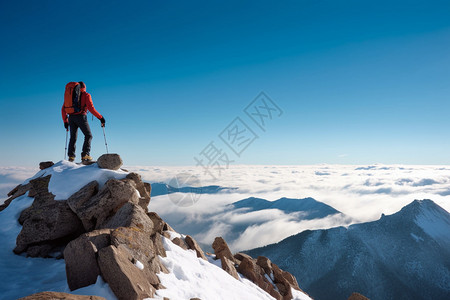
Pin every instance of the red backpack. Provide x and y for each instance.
(72, 98)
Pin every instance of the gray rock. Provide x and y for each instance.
(144, 189)
(51, 225)
(192, 244)
(80, 256)
(158, 223)
(78, 199)
(157, 242)
(114, 194)
(39, 186)
(126, 280)
(141, 248)
(129, 215)
(110, 161)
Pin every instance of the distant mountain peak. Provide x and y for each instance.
(309, 205)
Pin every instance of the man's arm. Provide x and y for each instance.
(91, 108)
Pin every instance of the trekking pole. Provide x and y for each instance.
(106, 144)
(65, 150)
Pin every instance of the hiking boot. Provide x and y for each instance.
(71, 158)
(86, 158)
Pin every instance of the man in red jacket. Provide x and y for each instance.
(79, 120)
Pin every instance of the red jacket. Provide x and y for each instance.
(86, 104)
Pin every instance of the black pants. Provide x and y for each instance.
(75, 122)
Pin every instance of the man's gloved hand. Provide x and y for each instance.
(66, 125)
(103, 121)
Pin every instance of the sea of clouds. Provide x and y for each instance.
(362, 193)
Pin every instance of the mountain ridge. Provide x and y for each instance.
(391, 258)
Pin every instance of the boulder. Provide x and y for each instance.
(140, 247)
(179, 242)
(111, 197)
(144, 199)
(110, 161)
(78, 199)
(264, 263)
(284, 277)
(228, 266)
(157, 242)
(39, 186)
(221, 249)
(45, 164)
(255, 273)
(80, 256)
(158, 223)
(126, 280)
(192, 244)
(59, 296)
(129, 215)
(47, 227)
(240, 256)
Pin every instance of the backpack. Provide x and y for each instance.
(72, 98)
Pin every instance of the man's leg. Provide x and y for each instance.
(84, 126)
(73, 136)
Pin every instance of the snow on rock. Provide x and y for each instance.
(139, 265)
(68, 177)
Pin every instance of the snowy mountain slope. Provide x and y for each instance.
(188, 277)
(400, 256)
(191, 277)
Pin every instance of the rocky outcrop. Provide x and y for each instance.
(261, 271)
(81, 258)
(143, 188)
(47, 225)
(95, 211)
(192, 244)
(221, 249)
(255, 273)
(59, 296)
(126, 280)
(110, 161)
(228, 266)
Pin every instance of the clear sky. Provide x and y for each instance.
(358, 82)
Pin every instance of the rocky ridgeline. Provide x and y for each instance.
(108, 231)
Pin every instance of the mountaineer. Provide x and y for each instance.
(74, 114)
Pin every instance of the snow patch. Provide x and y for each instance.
(68, 177)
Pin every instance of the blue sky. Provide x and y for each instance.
(359, 82)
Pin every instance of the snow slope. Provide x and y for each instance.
(192, 277)
(400, 256)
